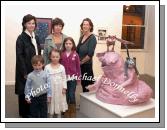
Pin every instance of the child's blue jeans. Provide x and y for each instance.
(70, 94)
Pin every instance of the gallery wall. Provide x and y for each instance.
(108, 17)
(103, 16)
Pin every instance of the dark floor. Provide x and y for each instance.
(150, 81)
(11, 104)
(11, 101)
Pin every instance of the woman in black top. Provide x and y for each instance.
(27, 45)
(85, 49)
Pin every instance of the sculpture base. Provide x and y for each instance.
(94, 108)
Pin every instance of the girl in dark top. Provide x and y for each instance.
(27, 45)
(85, 49)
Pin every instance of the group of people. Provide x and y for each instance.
(42, 82)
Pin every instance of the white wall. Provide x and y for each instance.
(107, 16)
(150, 46)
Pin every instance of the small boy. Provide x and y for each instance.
(37, 89)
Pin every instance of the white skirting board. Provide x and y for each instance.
(91, 107)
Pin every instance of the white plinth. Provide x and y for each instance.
(92, 107)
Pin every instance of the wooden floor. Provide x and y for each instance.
(11, 100)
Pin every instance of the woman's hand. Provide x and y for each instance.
(64, 91)
(81, 62)
(91, 87)
(85, 59)
(49, 99)
(25, 76)
(28, 100)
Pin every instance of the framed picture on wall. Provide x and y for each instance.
(43, 29)
(102, 33)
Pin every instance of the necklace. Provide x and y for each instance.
(57, 39)
(85, 37)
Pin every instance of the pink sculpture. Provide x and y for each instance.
(119, 84)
